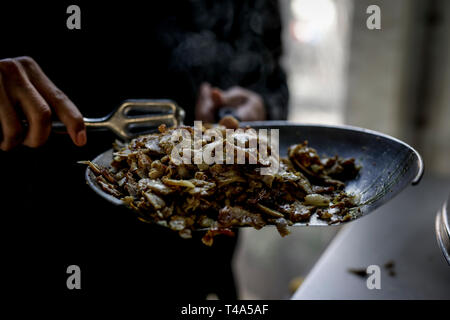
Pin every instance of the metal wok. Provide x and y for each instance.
(388, 164)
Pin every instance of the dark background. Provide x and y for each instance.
(158, 50)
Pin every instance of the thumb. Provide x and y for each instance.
(204, 109)
(217, 97)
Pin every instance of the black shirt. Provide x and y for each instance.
(163, 49)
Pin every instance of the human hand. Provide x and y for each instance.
(26, 91)
(247, 105)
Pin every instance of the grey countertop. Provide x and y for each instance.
(402, 231)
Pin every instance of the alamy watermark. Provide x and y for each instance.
(74, 279)
(373, 22)
(73, 21)
(374, 277)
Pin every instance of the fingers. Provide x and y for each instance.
(205, 107)
(21, 92)
(26, 88)
(249, 105)
(216, 96)
(35, 108)
(252, 109)
(10, 123)
(64, 108)
(251, 112)
(235, 96)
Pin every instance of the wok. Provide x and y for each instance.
(388, 164)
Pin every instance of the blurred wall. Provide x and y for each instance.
(377, 66)
(398, 77)
(435, 132)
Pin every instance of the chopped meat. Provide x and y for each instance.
(282, 226)
(232, 216)
(217, 197)
(328, 171)
(297, 211)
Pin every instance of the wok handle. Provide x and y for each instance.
(92, 124)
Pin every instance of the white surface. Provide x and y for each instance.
(401, 231)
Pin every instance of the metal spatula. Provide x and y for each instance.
(134, 117)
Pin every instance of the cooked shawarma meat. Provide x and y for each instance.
(218, 197)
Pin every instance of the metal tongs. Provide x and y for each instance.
(134, 117)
